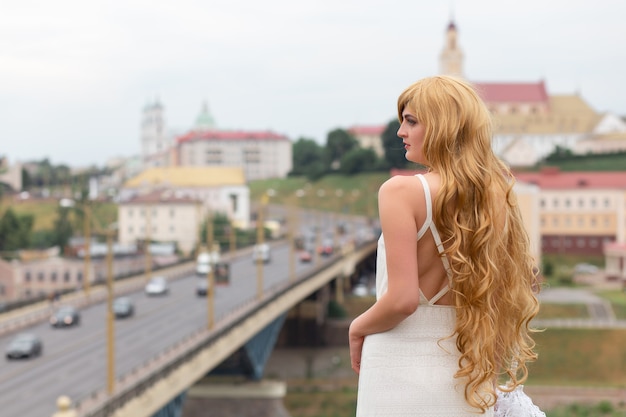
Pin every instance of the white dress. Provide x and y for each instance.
(409, 370)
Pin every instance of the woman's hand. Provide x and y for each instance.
(356, 346)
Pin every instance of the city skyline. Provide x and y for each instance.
(76, 76)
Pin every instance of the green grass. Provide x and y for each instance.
(45, 213)
(562, 311)
(601, 409)
(580, 357)
(346, 194)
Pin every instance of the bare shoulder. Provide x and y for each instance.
(402, 188)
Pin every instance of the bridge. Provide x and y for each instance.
(170, 344)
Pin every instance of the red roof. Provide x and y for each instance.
(552, 178)
(512, 92)
(555, 179)
(367, 130)
(229, 135)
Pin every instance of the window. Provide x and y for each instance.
(581, 203)
(555, 202)
(172, 212)
(27, 276)
(567, 202)
(66, 276)
(79, 277)
(53, 277)
(130, 212)
(580, 243)
(593, 202)
(607, 202)
(40, 276)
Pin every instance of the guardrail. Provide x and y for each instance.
(133, 384)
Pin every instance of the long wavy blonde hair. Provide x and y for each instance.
(494, 276)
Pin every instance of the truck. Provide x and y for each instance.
(205, 260)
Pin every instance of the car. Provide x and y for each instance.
(326, 248)
(157, 286)
(305, 256)
(123, 307)
(24, 345)
(65, 316)
(360, 290)
(201, 287)
(261, 252)
(585, 268)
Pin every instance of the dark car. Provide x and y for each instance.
(65, 316)
(201, 287)
(25, 345)
(123, 307)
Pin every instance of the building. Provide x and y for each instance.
(369, 137)
(579, 212)
(168, 204)
(161, 216)
(529, 123)
(38, 274)
(261, 154)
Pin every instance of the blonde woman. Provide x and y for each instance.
(456, 283)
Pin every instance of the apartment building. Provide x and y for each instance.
(168, 204)
(261, 154)
(583, 213)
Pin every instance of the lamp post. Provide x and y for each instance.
(87, 249)
(260, 240)
(110, 315)
(210, 292)
(147, 245)
(318, 229)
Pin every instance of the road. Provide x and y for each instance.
(74, 361)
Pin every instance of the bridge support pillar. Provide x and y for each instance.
(216, 398)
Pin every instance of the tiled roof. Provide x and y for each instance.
(188, 177)
(367, 130)
(552, 178)
(512, 92)
(195, 135)
(162, 196)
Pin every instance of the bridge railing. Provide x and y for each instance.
(133, 384)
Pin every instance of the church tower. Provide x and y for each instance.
(451, 58)
(205, 120)
(153, 136)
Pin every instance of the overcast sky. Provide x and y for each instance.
(75, 74)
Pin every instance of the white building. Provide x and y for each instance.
(169, 203)
(261, 154)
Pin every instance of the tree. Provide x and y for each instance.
(307, 153)
(63, 229)
(358, 160)
(15, 230)
(392, 144)
(338, 143)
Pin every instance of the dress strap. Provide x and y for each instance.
(429, 224)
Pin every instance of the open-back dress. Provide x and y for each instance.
(409, 370)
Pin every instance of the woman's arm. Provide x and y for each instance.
(397, 201)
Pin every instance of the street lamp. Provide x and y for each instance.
(109, 232)
(210, 292)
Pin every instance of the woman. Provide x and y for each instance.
(455, 282)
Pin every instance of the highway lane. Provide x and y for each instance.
(74, 360)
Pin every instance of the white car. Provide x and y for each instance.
(261, 252)
(157, 286)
